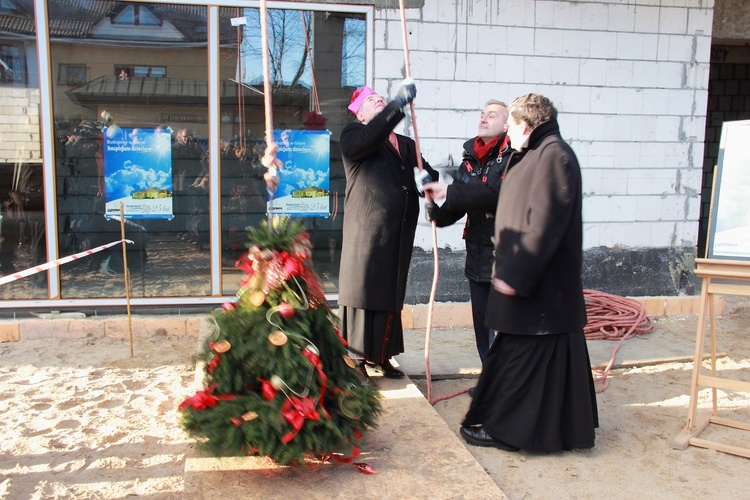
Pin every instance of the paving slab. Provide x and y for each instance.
(413, 451)
(453, 352)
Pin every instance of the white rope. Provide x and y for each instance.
(58, 262)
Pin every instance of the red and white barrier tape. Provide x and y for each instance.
(55, 263)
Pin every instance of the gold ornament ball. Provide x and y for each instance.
(257, 298)
(277, 338)
(222, 346)
(257, 281)
(277, 382)
(251, 415)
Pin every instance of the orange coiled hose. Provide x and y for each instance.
(611, 317)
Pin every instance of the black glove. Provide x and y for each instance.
(406, 93)
(431, 211)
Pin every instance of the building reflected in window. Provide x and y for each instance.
(122, 67)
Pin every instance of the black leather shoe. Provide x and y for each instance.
(472, 391)
(478, 437)
(390, 371)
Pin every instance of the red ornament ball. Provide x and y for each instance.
(286, 310)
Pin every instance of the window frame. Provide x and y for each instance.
(72, 75)
(24, 79)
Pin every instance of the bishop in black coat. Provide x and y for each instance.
(381, 209)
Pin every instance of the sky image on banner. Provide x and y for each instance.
(304, 180)
(138, 172)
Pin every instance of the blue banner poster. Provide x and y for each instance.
(138, 172)
(304, 180)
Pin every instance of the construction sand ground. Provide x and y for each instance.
(82, 419)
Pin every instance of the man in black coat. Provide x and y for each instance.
(474, 194)
(536, 391)
(381, 208)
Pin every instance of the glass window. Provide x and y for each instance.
(71, 74)
(131, 125)
(8, 7)
(131, 144)
(124, 72)
(136, 15)
(316, 60)
(22, 235)
(12, 62)
(353, 53)
(22, 230)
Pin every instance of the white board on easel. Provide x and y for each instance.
(726, 270)
(729, 228)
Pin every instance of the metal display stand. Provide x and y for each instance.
(727, 277)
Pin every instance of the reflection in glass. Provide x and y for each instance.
(123, 73)
(316, 60)
(22, 233)
(22, 229)
(132, 138)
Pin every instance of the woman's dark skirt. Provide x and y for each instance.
(536, 392)
(373, 335)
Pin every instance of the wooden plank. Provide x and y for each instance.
(691, 430)
(728, 422)
(721, 265)
(699, 341)
(723, 383)
(725, 448)
(728, 289)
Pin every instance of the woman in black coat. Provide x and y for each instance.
(381, 208)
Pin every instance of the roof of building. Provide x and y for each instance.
(178, 91)
(78, 20)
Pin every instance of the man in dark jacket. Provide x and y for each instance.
(536, 391)
(474, 194)
(381, 208)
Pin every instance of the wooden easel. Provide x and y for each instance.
(728, 277)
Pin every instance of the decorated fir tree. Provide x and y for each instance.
(279, 382)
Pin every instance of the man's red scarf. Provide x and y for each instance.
(482, 149)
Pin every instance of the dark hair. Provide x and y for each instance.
(534, 109)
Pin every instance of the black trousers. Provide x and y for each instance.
(480, 293)
(372, 335)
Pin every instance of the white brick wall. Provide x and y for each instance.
(630, 82)
(19, 125)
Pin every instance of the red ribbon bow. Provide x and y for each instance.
(292, 266)
(318, 364)
(213, 364)
(296, 411)
(267, 389)
(203, 400)
(341, 337)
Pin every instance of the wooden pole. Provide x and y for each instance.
(436, 258)
(126, 275)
